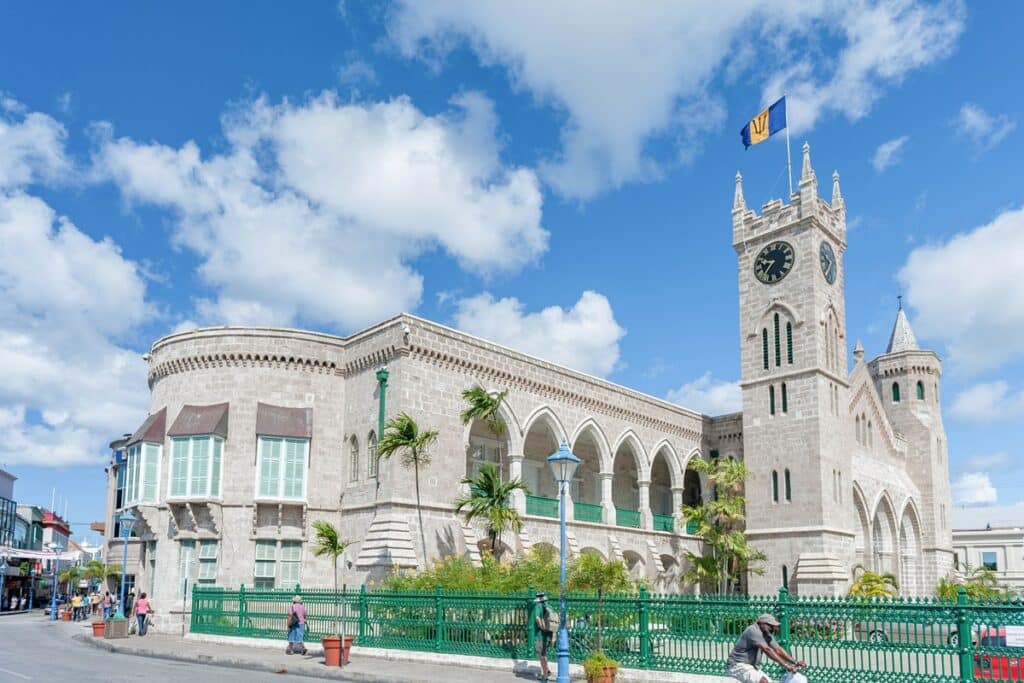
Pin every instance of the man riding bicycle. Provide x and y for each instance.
(744, 660)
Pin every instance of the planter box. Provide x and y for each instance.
(115, 628)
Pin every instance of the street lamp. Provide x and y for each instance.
(127, 522)
(53, 587)
(563, 466)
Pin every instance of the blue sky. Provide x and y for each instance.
(558, 178)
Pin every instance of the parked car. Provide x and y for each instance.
(1000, 659)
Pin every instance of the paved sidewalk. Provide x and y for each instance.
(362, 669)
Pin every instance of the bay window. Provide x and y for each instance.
(281, 465)
(142, 470)
(196, 466)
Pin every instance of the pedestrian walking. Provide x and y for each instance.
(545, 626)
(745, 658)
(76, 607)
(142, 610)
(94, 601)
(108, 605)
(296, 627)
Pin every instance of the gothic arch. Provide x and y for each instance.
(910, 549)
(639, 454)
(862, 533)
(546, 414)
(589, 425)
(664, 449)
(591, 550)
(766, 316)
(884, 532)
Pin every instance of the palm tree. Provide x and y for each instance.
(70, 576)
(402, 435)
(485, 406)
(869, 584)
(330, 544)
(488, 499)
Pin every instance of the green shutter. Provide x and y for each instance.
(291, 564)
(920, 391)
(788, 493)
(771, 399)
(200, 466)
(179, 467)
(778, 343)
(775, 486)
(218, 445)
(764, 347)
(789, 343)
(270, 467)
(895, 392)
(785, 401)
(295, 468)
(150, 472)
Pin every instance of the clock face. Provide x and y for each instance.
(828, 262)
(774, 262)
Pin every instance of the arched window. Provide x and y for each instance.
(353, 463)
(778, 343)
(920, 391)
(764, 346)
(789, 342)
(785, 401)
(789, 492)
(771, 399)
(895, 392)
(371, 455)
(858, 429)
(785, 577)
(775, 486)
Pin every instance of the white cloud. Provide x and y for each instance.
(974, 488)
(983, 129)
(967, 292)
(316, 210)
(31, 146)
(356, 72)
(709, 396)
(976, 517)
(585, 337)
(663, 61)
(889, 153)
(990, 461)
(989, 402)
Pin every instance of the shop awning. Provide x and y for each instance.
(152, 430)
(295, 423)
(197, 420)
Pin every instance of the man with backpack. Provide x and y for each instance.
(545, 630)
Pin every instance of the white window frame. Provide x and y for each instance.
(260, 441)
(353, 460)
(189, 494)
(278, 561)
(371, 456)
(185, 568)
(264, 543)
(135, 473)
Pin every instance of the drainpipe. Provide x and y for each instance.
(382, 393)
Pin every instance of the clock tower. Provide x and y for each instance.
(795, 386)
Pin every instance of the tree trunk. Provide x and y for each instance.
(419, 510)
(337, 627)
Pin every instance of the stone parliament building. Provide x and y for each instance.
(254, 434)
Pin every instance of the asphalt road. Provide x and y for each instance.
(31, 649)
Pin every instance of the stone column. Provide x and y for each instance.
(515, 471)
(646, 517)
(677, 507)
(607, 505)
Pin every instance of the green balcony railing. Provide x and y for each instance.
(586, 512)
(627, 518)
(542, 507)
(843, 640)
(691, 527)
(664, 523)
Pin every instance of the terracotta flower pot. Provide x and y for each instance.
(332, 650)
(65, 616)
(348, 647)
(98, 629)
(607, 675)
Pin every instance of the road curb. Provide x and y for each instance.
(229, 663)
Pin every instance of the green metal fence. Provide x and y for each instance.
(543, 507)
(843, 640)
(664, 523)
(586, 512)
(627, 518)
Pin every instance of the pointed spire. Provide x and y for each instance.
(902, 337)
(858, 352)
(837, 196)
(806, 172)
(738, 202)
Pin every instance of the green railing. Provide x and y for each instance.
(691, 527)
(586, 512)
(543, 507)
(664, 523)
(842, 639)
(627, 518)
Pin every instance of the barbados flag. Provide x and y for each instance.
(767, 123)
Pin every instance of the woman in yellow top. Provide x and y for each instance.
(76, 607)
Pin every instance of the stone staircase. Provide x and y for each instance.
(388, 543)
(472, 543)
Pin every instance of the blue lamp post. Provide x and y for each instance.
(563, 466)
(55, 548)
(127, 523)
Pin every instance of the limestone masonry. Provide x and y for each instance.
(254, 434)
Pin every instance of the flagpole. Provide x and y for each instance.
(789, 158)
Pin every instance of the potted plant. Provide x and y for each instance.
(99, 628)
(600, 668)
(330, 544)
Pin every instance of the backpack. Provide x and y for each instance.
(551, 620)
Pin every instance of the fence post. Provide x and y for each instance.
(784, 617)
(362, 614)
(645, 635)
(241, 608)
(963, 628)
(439, 610)
(529, 620)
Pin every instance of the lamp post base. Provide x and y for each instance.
(563, 655)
